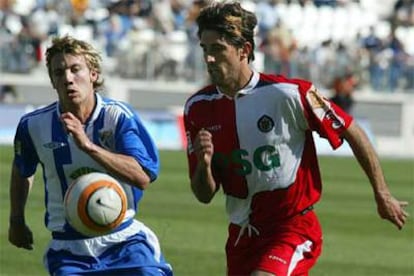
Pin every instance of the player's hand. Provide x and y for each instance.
(203, 147)
(21, 236)
(392, 209)
(75, 128)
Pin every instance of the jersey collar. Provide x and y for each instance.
(95, 112)
(98, 107)
(248, 89)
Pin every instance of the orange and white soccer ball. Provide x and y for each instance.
(95, 204)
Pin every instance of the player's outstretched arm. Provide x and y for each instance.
(20, 234)
(388, 207)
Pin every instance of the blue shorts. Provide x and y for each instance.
(116, 254)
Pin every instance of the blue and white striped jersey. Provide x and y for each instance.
(41, 139)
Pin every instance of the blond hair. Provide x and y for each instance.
(70, 45)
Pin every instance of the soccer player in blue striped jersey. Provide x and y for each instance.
(84, 132)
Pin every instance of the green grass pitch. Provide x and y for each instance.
(192, 235)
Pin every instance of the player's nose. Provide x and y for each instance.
(68, 77)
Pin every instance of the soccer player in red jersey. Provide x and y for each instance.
(251, 134)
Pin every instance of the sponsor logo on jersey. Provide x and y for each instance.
(276, 258)
(265, 124)
(214, 128)
(82, 171)
(337, 122)
(54, 145)
(264, 158)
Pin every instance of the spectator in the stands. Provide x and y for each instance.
(8, 93)
(193, 68)
(268, 16)
(403, 13)
(374, 45)
(319, 3)
(278, 47)
(343, 88)
(397, 61)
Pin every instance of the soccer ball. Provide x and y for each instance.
(95, 204)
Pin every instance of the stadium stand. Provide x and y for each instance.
(153, 61)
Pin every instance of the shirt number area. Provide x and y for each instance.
(233, 167)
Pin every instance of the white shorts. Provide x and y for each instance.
(134, 250)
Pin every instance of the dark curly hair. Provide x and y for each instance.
(235, 24)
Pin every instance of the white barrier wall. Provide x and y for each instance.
(391, 117)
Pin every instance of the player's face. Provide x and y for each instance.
(73, 80)
(222, 59)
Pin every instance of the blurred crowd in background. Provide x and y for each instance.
(339, 45)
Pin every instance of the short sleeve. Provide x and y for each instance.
(133, 139)
(190, 132)
(326, 118)
(25, 154)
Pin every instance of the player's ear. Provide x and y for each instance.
(246, 50)
(94, 76)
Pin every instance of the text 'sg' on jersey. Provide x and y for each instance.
(264, 154)
(41, 138)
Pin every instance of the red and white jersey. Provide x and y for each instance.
(264, 155)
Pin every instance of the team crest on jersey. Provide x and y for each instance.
(265, 124)
(106, 138)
